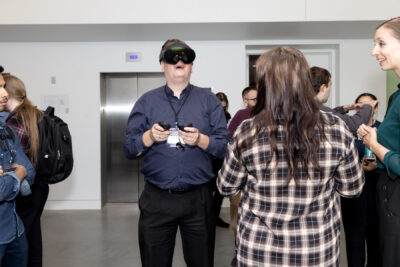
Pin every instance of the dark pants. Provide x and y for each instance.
(388, 202)
(161, 212)
(30, 208)
(218, 198)
(14, 254)
(361, 224)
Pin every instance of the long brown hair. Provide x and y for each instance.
(286, 99)
(26, 113)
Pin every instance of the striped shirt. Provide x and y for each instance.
(289, 224)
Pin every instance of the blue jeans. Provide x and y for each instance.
(15, 253)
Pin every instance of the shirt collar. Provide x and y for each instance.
(183, 93)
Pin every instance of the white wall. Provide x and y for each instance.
(177, 11)
(219, 64)
(344, 10)
(149, 11)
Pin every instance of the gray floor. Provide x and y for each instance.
(109, 238)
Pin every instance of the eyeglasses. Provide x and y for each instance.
(176, 53)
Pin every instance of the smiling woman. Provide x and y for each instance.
(385, 143)
(387, 47)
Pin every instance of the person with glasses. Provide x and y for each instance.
(179, 129)
(249, 96)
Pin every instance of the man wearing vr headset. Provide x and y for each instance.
(178, 128)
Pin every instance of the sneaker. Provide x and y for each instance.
(219, 222)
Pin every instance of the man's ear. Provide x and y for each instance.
(322, 88)
(162, 65)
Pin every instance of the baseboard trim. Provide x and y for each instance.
(72, 205)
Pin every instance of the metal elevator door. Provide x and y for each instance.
(122, 180)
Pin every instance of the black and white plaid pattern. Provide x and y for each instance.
(281, 224)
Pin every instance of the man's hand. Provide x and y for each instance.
(352, 106)
(191, 136)
(158, 133)
(154, 135)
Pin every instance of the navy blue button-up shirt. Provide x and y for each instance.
(11, 225)
(165, 166)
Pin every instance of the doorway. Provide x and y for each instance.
(121, 179)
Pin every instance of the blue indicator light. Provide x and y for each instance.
(133, 57)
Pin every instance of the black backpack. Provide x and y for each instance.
(55, 160)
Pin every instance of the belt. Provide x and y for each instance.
(174, 190)
(178, 190)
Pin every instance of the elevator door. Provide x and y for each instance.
(122, 180)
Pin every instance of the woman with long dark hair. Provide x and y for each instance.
(23, 119)
(225, 105)
(385, 144)
(290, 162)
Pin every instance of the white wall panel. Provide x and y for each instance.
(345, 10)
(149, 11)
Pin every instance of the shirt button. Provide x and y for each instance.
(384, 187)
(385, 200)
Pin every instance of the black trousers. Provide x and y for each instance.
(361, 224)
(218, 198)
(29, 209)
(388, 202)
(162, 212)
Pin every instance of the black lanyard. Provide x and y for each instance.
(183, 103)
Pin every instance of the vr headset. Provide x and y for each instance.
(176, 52)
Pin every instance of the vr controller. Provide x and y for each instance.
(182, 126)
(165, 125)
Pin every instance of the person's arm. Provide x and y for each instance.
(390, 159)
(235, 122)
(9, 186)
(215, 143)
(233, 174)
(363, 115)
(10, 182)
(340, 110)
(346, 108)
(137, 135)
(349, 177)
(21, 160)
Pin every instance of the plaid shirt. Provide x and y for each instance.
(16, 125)
(282, 224)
